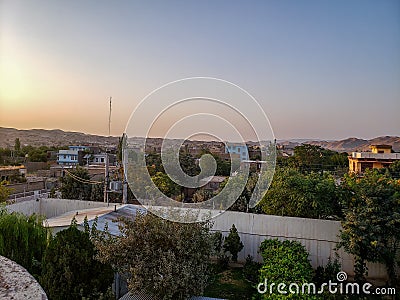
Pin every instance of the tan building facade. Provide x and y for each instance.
(381, 156)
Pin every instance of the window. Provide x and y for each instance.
(366, 165)
(102, 159)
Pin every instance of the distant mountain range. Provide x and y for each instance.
(349, 144)
(57, 137)
(54, 137)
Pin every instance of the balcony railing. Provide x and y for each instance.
(375, 155)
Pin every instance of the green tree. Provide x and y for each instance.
(188, 164)
(37, 155)
(70, 270)
(284, 262)
(302, 195)
(166, 260)
(202, 195)
(74, 185)
(17, 146)
(4, 192)
(165, 184)
(23, 239)
(371, 227)
(315, 158)
(394, 170)
(232, 243)
(154, 164)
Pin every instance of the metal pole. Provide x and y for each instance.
(106, 180)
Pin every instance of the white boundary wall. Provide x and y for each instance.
(318, 236)
(49, 207)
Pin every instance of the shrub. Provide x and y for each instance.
(232, 243)
(251, 269)
(23, 239)
(70, 269)
(284, 262)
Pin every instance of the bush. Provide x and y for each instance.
(70, 270)
(23, 239)
(232, 243)
(251, 269)
(284, 262)
(329, 272)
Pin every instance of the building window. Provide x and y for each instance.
(366, 165)
(102, 159)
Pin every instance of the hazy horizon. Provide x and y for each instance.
(320, 70)
(156, 137)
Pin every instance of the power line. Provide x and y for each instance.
(82, 180)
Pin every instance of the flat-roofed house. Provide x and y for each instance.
(381, 156)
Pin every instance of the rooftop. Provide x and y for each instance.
(371, 155)
(105, 215)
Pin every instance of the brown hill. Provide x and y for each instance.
(55, 137)
(355, 144)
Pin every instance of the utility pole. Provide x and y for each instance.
(109, 120)
(106, 166)
(106, 180)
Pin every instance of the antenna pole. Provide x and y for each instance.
(109, 120)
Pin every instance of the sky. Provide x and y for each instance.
(319, 69)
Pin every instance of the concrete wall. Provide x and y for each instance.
(52, 207)
(318, 236)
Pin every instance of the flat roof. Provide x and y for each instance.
(105, 215)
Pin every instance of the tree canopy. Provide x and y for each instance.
(70, 270)
(75, 186)
(301, 195)
(23, 239)
(371, 227)
(284, 262)
(165, 260)
(232, 243)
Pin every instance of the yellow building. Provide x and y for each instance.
(381, 156)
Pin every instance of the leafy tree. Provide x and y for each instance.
(73, 187)
(37, 155)
(166, 260)
(202, 195)
(23, 239)
(218, 252)
(4, 192)
(97, 192)
(70, 270)
(154, 164)
(315, 158)
(165, 184)
(284, 262)
(232, 243)
(17, 146)
(394, 170)
(328, 272)
(371, 227)
(188, 164)
(302, 195)
(251, 269)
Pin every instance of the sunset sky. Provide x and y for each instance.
(320, 69)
